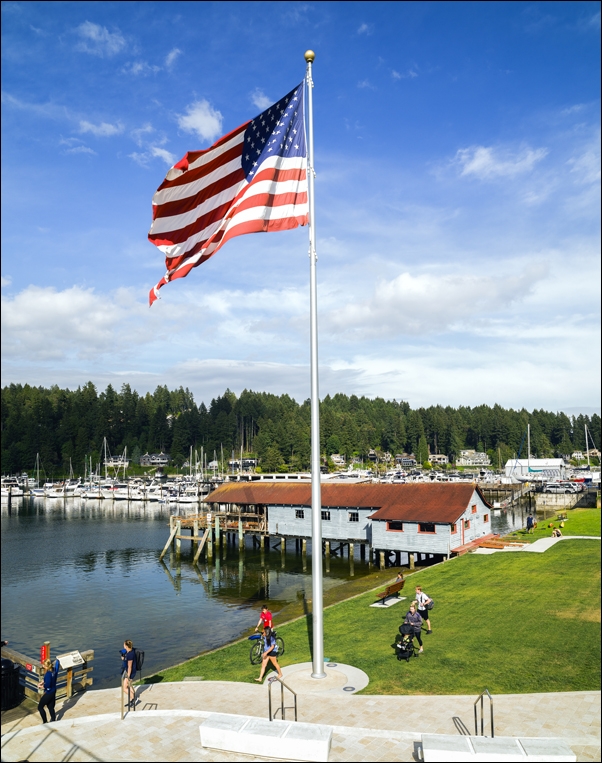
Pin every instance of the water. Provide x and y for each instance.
(504, 521)
(87, 575)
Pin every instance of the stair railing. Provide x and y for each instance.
(481, 699)
(283, 686)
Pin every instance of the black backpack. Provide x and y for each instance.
(139, 660)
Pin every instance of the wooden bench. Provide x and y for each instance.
(391, 590)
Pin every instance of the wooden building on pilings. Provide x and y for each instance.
(397, 523)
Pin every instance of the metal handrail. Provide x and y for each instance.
(480, 697)
(283, 686)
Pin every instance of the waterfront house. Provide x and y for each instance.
(154, 459)
(433, 519)
(473, 458)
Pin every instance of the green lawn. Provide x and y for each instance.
(509, 622)
(578, 522)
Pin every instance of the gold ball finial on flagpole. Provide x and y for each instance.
(309, 56)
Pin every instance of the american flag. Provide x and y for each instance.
(253, 179)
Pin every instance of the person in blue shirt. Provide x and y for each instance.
(270, 650)
(129, 661)
(49, 685)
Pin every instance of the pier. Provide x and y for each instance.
(70, 681)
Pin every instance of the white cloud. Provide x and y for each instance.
(140, 68)
(366, 29)
(161, 153)
(140, 132)
(41, 323)
(409, 74)
(575, 109)
(103, 130)
(365, 83)
(487, 163)
(98, 41)
(586, 166)
(6, 281)
(80, 150)
(48, 110)
(260, 99)
(140, 158)
(201, 118)
(427, 303)
(171, 57)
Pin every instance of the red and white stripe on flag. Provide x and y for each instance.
(252, 180)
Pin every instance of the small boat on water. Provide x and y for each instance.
(10, 487)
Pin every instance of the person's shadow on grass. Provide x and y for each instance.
(310, 627)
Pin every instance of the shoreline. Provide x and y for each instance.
(386, 581)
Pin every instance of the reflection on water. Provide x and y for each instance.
(86, 575)
(504, 521)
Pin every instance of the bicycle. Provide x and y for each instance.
(256, 653)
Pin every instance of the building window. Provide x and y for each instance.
(426, 527)
(474, 509)
(467, 524)
(299, 514)
(354, 516)
(454, 528)
(325, 516)
(395, 527)
(486, 518)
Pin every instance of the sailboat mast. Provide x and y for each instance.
(529, 448)
(586, 446)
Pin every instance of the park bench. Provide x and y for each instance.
(392, 590)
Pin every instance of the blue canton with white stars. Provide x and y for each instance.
(277, 131)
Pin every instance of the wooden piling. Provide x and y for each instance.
(351, 551)
(177, 537)
(217, 532)
(172, 534)
(304, 546)
(412, 561)
(327, 548)
(382, 560)
(262, 542)
(200, 546)
(241, 536)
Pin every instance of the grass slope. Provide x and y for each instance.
(510, 622)
(578, 522)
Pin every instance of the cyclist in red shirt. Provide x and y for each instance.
(265, 618)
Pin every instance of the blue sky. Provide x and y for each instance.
(457, 199)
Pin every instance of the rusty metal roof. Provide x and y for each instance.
(410, 502)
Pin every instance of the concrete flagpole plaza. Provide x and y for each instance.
(316, 497)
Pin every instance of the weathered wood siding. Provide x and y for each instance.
(442, 540)
(282, 520)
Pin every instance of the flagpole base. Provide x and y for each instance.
(318, 675)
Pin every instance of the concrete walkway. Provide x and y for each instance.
(366, 728)
(538, 547)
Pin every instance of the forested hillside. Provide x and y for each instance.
(63, 425)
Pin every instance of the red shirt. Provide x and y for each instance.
(267, 618)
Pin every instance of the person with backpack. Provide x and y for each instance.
(48, 683)
(129, 659)
(269, 652)
(415, 620)
(423, 609)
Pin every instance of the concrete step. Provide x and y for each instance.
(446, 748)
(273, 739)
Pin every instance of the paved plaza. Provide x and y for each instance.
(165, 725)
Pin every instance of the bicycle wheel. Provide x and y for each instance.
(280, 645)
(255, 654)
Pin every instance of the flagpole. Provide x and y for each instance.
(316, 497)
